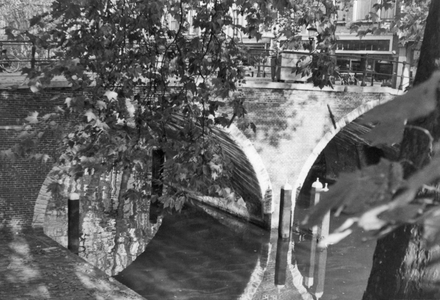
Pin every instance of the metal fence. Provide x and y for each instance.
(16, 55)
(350, 69)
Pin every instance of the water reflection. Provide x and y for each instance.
(113, 234)
(199, 254)
(341, 271)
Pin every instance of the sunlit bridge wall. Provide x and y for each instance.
(329, 135)
(113, 233)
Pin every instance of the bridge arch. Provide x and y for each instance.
(323, 142)
(250, 178)
(42, 201)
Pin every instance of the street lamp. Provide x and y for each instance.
(312, 32)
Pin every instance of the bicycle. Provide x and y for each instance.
(7, 64)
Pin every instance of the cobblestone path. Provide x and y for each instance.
(32, 266)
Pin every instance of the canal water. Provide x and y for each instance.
(197, 255)
(200, 253)
(347, 264)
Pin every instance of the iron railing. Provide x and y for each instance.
(363, 69)
(16, 55)
(352, 69)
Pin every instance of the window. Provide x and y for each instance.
(362, 8)
(363, 45)
(360, 11)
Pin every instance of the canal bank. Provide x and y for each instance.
(33, 266)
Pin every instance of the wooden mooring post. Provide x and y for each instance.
(285, 212)
(319, 235)
(73, 223)
(284, 229)
(323, 232)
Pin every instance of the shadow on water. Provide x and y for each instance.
(195, 256)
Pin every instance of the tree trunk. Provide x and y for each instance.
(403, 266)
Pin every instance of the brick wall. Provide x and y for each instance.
(21, 180)
(293, 119)
(290, 120)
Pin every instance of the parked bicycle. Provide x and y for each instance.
(8, 63)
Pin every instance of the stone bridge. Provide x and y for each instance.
(294, 124)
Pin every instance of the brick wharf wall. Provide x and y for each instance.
(21, 180)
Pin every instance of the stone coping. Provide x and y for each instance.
(268, 84)
(16, 80)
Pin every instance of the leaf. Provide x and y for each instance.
(37, 156)
(370, 219)
(34, 89)
(32, 118)
(101, 125)
(41, 157)
(47, 116)
(55, 188)
(36, 19)
(90, 115)
(206, 170)
(24, 135)
(357, 191)
(166, 200)
(111, 95)
(45, 158)
(386, 134)
(374, 16)
(427, 175)
(334, 238)
(9, 33)
(179, 202)
(7, 155)
(58, 109)
(401, 214)
(68, 101)
(392, 116)
(101, 105)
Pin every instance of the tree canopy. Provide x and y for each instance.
(151, 75)
(146, 75)
(17, 13)
(159, 75)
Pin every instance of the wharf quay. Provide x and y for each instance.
(33, 266)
